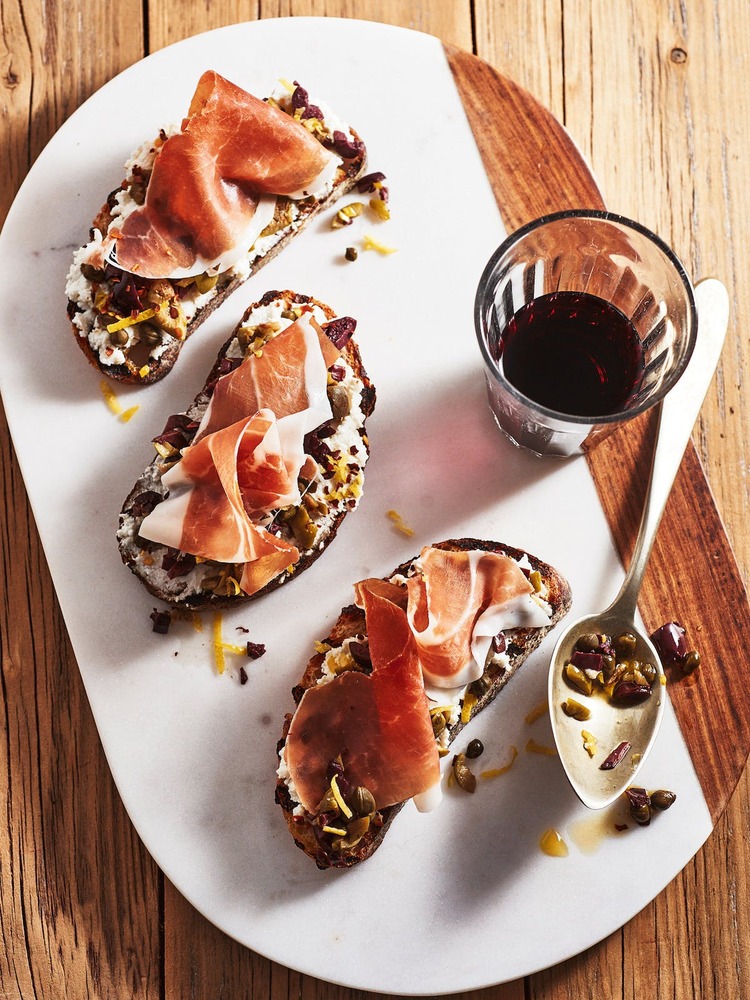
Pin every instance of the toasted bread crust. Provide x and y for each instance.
(150, 370)
(132, 547)
(350, 623)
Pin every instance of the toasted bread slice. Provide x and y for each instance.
(516, 645)
(183, 581)
(144, 351)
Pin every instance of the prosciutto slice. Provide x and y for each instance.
(222, 486)
(208, 196)
(288, 376)
(246, 458)
(378, 723)
(458, 602)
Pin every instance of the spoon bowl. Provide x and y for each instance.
(612, 725)
(635, 724)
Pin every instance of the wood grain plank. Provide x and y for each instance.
(69, 857)
(172, 20)
(607, 71)
(532, 163)
(692, 557)
(78, 893)
(650, 93)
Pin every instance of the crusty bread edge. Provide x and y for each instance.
(216, 601)
(350, 623)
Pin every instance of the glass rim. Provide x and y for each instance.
(572, 418)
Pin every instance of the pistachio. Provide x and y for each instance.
(328, 803)
(649, 672)
(346, 215)
(205, 282)
(355, 831)
(578, 679)
(575, 710)
(463, 774)
(315, 505)
(303, 528)
(282, 217)
(535, 579)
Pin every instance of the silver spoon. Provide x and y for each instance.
(636, 724)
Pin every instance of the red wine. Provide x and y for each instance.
(574, 353)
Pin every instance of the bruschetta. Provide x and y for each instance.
(250, 483)
(202, 208)
(399, 675)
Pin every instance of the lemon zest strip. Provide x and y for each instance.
(340, 799)
(536, 713)
(533, 747)
(495, 772)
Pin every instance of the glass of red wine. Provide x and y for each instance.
(585, 319)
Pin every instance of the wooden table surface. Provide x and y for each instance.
(657, 97)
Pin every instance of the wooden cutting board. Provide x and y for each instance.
(693, 576)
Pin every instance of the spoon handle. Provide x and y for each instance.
(678, 412)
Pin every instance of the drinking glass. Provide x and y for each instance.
(599, 254)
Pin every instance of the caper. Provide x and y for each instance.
(576, 677)
(641, 814)
(91, 273)
(463, 774)
(625, 645)
(588, 642)
(362, 802)
(474, 749)
(662, 799)
(149, 335)
(575, 710)
(609, 664)
(119, 338)
(692, 661)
